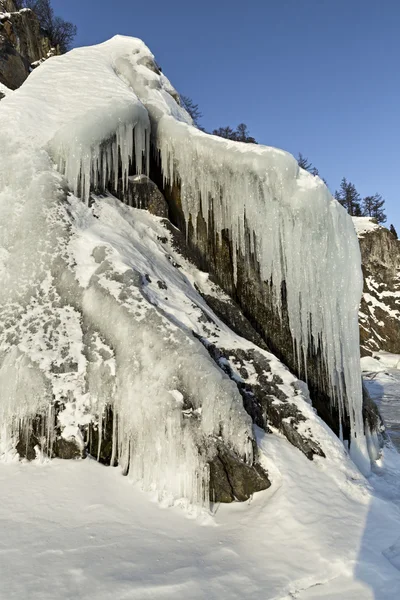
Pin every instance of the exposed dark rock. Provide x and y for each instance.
(230, 314)
(37, 436)
(380, 307)
(142, 192)
(100, 438)
(264, 401)
(231, 479)
(371, 413)
(66, 449)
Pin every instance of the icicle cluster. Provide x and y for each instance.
(89, 164)
(300, 236)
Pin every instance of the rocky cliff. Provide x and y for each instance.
(380, 304)
(22, 44)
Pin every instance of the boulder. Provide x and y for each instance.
(142, 192)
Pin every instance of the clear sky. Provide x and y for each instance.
(317, 76)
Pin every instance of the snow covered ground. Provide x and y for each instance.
(382, 378)
(85, 532)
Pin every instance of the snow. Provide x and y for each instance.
(381, 374)
(364, 225)
(86, 532)
(388, 360)
(4, 90)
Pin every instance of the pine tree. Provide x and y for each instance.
(393, 230)
(225, 132)
(304, 162)
(192, 109)
(240, 134)
(349, 198)
(372, 206)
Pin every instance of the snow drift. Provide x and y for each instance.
(75, 323)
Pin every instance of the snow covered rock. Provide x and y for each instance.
(380, 305)
(106, 339)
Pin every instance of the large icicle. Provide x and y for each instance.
(301, 236)
(88, 119)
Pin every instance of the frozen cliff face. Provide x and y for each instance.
(380, 304)
(84, 309)
(22, 46)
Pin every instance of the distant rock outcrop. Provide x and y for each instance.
(380, 305)
(22, 45)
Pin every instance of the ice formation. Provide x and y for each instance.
(300, 236)
(89, 113)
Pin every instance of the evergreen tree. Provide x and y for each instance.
(393, 230)
(225, 132)
(240, 134)
(349, 198)
(305, 164)
(372, 206)
(192, 109)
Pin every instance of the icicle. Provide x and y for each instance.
(302, 237)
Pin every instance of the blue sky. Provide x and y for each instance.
(318, 76)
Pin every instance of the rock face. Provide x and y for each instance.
(380, 305)
(22, 45)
